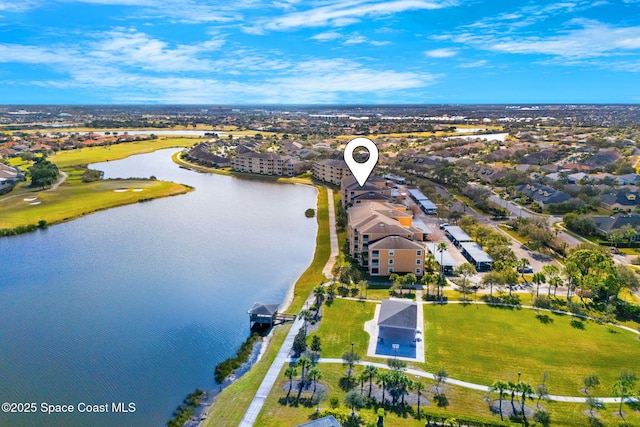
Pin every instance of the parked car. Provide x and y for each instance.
(442, 226)
(526, 269)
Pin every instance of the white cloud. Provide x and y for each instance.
(125, 65)
(326, 36)
(343, 13)
(474, 64)
(592, 40)
(355, 39)
(132, 48)
(441, 53)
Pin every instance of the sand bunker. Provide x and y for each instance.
(120, 190)
(30, 199)
(137, 190)
(34, 203)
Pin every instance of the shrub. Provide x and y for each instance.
(310, 213)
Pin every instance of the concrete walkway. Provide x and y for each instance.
(420, 373)
(283, 355)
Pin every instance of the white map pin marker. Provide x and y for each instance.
(361, 170)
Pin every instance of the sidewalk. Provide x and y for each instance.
(283, 355)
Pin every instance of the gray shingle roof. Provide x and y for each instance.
(398, 314)
(263, 309)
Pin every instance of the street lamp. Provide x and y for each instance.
(352, 347)
(518, 376)
(395, 349)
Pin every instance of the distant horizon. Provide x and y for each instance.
(319, 52)
(391, 105)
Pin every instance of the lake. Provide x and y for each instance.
(139, 303)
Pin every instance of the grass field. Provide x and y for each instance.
(313, 276)
(491, 344)
(462, 402)
(342, 323)
(71, 201)
(116, 152)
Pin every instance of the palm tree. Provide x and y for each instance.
(419, 388)
(500, 387)
(492, 278)
(290, 372)
(307, 316)
(538, 278)
(513, 388)
(522, 264)
(526, 391)
(319, 292)
(304, 363)
(555, 282)
(354, 400)
(409, 279)
(371, 372)
(350, 358)
(623, 387)
(550, 272)
(383, 380)
(314, 374)
(442, 246)
(362, 378)
(428, 279)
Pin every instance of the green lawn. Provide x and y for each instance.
(72, 200)
(343, 323)
(115, 152)
(313, 276)
(482, 344)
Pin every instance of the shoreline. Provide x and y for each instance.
(287, 302)
(260, 347)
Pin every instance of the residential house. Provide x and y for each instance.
(605, 225)
(201, 154)
(330, 170)
(9, 176)
(628, 179)
(621, 200)
(543, 195)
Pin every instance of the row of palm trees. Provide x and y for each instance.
(521, 389)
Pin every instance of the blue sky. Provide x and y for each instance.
(319, 51)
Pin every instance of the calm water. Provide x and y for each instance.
(139, 303)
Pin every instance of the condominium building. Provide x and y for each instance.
(383, 240)
(330, 170)
(374, 189)
(267, 164)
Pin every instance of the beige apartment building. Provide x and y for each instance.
(330, 170)
(395, 254)
(267, 164)
(383, 240)
(351, 193)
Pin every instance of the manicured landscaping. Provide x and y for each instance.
(313, 276)
(70, 200)
(343, 323)
(481, 344)
(116, 151)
